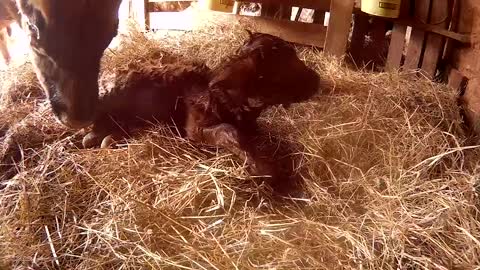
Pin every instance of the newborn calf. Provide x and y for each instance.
(218, 107)
(146, 96)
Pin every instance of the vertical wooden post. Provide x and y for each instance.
(435, 43)
(131, 13)
(147, 14)
(450, 44)
(397, 42)
(415, 47)
(236, 7)
(339, 27)
(299, 13)
(457, 81)
(138, 10)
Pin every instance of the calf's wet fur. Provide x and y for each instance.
(217, 107)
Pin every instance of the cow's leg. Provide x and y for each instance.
(4, 48)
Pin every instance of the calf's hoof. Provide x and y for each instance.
(92, 139)
(107, 142)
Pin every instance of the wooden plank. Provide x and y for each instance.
(297, 16)
(146, 14)
(297, 32)
(397, 45)
(397, 40)
(312, 4)
(415, 47)
(435, 43)
(155, 6)
(465, 39)
(457, 81)
(339, 27)
(137, 12)
(450, 44)
(236, 8)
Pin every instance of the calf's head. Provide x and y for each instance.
(68, 39)
(281, 77)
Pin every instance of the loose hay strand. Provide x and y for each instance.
(389, 180)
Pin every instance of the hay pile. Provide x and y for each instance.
(388, 181)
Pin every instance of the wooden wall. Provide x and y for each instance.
(466, 59)
(332, 38)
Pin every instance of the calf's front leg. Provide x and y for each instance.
(230, 138)
(222, 135)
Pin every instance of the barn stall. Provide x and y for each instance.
(380, 168)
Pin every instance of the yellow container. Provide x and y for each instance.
(382, 8)
(218, 5)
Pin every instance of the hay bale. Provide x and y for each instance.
(388, 182)
(19, 93)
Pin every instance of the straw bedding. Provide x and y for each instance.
(385, 178)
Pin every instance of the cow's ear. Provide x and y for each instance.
(44, 6)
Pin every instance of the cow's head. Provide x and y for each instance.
(68, 39)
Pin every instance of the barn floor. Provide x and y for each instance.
(384, 179)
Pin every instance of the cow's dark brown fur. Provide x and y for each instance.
(218, 107)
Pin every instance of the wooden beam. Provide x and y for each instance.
(450, 44)
(339, 27)
(465, 39)
(417, 40)
(435, 43)
(154, 6)
(397, 45)
(147, 14)
(299, 13)
(312, 4)
(457, 81)
(397, 41)
(297, 32)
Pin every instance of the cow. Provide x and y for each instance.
(218, 107)
(67, 41)
(8, 16)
